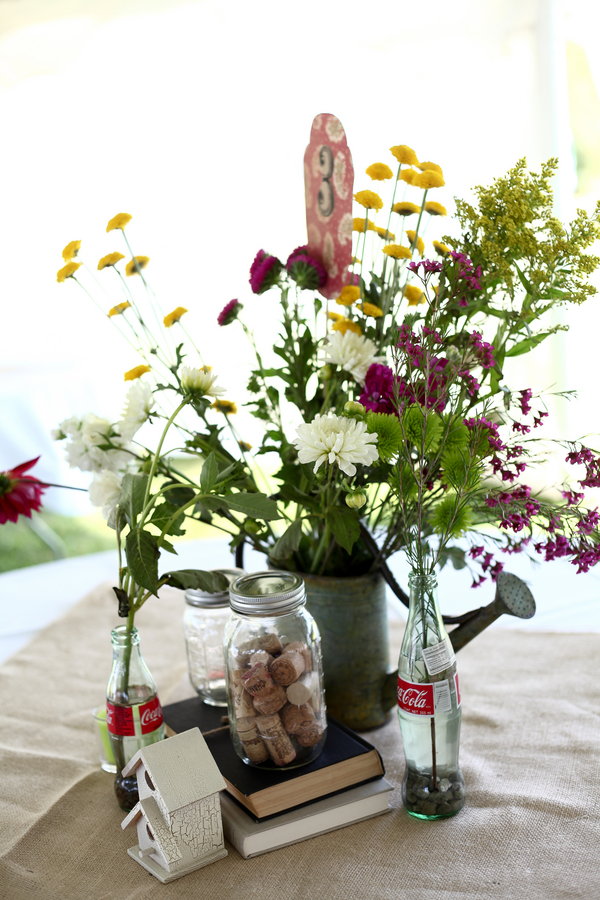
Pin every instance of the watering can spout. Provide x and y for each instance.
(513, 598)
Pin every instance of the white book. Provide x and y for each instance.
(251, 838)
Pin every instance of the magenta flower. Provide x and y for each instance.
(230, 312)
(378, 392)
(264, 272)
(305, 270)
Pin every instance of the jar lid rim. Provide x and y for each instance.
(247, 594)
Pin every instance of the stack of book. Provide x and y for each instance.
(264, 809)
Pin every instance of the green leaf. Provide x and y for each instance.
(295, 495)
(209, 473)
(198, 580)
(256, 506)
(344, 526)
(142, 552)
(163, 513)
(166, 545)
(528, 344)
(179, 494)
(289, 541)
(131, 498)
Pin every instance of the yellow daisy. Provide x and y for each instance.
(435, 209)
(244, 446)
(440, 248)
(132, 269)
(67, 271)
(335, 317)
(358, 224)
(385, 234)
(71, 250)
(118, 221)
(111, 259)
(430, 167)
(414, 295)
(405, 155)
(369, 199)
(404, 208)
(345, 325)
(379, 172)
(349, 295)
(428, 179)
(408, 175)
(174, 316)
(118, 309)
(414, 240)
(397, 251)
(369, 309)
(136, 372)
(225, 406)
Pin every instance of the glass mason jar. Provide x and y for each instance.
(277, 713)
(133, 711)
(204, 621)
(429, 708)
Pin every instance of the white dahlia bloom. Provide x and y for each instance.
(352, 352)
(104, 491)
(138, 405)
(83, 450)
(200, 381)
(335, 439)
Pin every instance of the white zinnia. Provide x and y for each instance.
(138, 404)
(104, 491)
(200, 381)
(353, 352)
(335, 439)
(83, 450)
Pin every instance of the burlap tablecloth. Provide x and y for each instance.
(529, 754)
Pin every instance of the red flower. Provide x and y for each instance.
(19, 493)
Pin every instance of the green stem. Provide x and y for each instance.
(157, 456)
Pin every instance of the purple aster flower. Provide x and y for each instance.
(264, 272)
(378, 391)
(230, 312)
(306, 271)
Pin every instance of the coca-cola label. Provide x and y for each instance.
(416, 699)
(151, 716)
(457, 689)
(119, 720)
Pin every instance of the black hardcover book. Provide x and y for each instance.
(346, 760)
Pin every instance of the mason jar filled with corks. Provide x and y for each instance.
(277, 712)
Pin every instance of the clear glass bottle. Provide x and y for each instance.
(133, 711)
(429, 708)
(204, 621)
(277, 713)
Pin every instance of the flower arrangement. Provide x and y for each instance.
(410, 436)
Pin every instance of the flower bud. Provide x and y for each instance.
(352, 408)
(252, 527)
(325, 372)
(356, 500)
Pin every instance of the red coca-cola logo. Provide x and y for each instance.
(416, 699)
(151, 716)
(119, 720)
(457, 689)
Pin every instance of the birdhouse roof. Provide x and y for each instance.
(182, 769)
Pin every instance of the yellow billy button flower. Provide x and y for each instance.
(440, 248)
(111, 259)
(369, 309)
(118, 221)
(397, 251)
(174, 316)
(227, 407)
(408, 175)
(414, 295)
(118, 309)
(358, 224)
(132, 269)
(428, 179)
(435, 209)
(369, 199)
(430, 167)
(404, 208)
(245, 447)
(355, 259)
(136, 372)
(335, 317)
(405, 155)
(379, 172)
(67, 271)
(356, 500)
(345, 325)
(384, 233)
(415, 241)
(349, 295)
(71, 250)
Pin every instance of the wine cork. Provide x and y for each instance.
(301, 691)
(297, 718)
(242, 701)
(257, 681)
(304, 650)
(251, 741)
(288, 667)
(259, 656)
(268, 642)
(309, 736)
(267, 706)
(277, 742)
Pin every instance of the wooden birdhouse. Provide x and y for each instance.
(178, 816)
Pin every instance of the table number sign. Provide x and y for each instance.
(328, 183)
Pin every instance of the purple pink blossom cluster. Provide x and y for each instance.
(264, 272)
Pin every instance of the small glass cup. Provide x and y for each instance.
(107, 759)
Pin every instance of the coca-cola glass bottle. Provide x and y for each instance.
(429, 708)
(133, 711)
